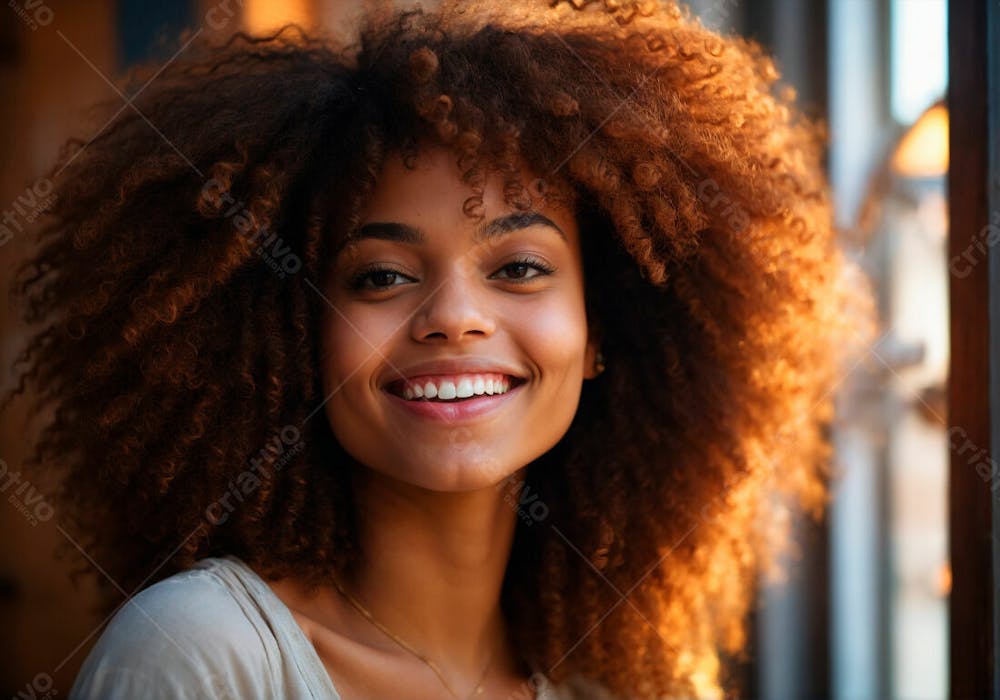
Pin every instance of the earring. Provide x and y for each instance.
(599, 362)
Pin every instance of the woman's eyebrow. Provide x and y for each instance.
(404, 233)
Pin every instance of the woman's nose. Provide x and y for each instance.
(456, 307)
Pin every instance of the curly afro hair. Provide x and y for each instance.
(175, 283)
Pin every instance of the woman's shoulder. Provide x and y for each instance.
(197, 633)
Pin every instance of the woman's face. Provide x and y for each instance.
(423, 294)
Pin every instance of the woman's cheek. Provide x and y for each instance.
(558, 334)
(356, 339)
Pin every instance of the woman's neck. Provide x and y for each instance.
(433, 568)
(432, 572)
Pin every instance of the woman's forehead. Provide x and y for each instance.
(423, 209)
(433, 193)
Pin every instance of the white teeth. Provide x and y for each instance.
(464, 388)
(447, 390)
(414, 392)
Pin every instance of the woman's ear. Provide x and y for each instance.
(593, 347)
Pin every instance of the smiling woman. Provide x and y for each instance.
(485, 356)
(427, 295)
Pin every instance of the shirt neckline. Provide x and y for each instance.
(290, 632)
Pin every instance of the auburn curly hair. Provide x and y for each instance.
(173, 280)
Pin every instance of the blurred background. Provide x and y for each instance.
(864, 611)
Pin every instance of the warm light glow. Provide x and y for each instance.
(944, 580)
(264, 16)
(923, 150)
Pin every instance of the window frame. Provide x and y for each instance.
(974, 386)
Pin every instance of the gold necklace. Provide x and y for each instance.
(433, 666)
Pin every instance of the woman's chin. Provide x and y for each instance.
(455, 479)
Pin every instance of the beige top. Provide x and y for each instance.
(216, 630)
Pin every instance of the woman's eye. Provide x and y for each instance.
(519, 268)
(381, 278)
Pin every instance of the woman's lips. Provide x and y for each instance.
(456, 410)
